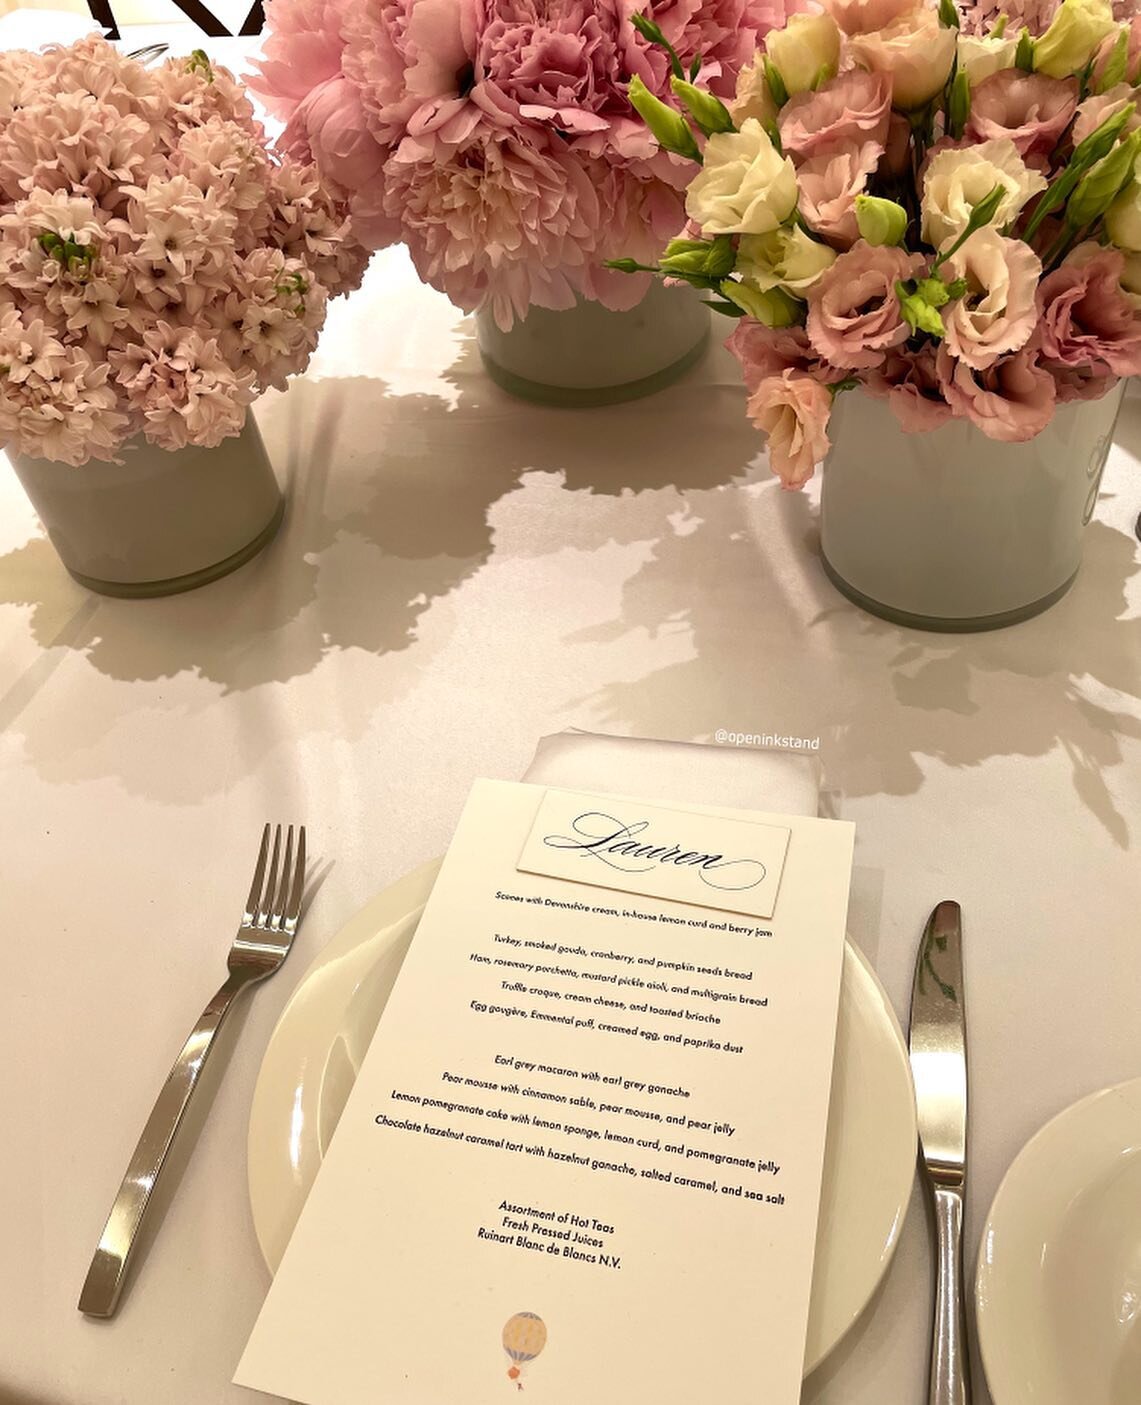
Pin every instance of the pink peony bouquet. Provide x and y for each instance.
(495, 137)
(159, 268)
(950, 221)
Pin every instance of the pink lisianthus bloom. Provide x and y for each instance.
(1011, 400)
(998, 312)
(763, 351)
(915, 51)
(1029, 108)
(855, 107)
(864, 16)
(792, 409)
(1109, 43)
(909, 382)
(829, 183)
(1099, 107)
(854, 316)
(1086, 320)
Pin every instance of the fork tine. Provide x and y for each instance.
(259, 873)
(283, 887)
(265, 907)
(293, 909)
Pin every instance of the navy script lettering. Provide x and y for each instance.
(619, 846)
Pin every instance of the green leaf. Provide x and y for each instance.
(695, 68)
(727, 309)
(775, 82)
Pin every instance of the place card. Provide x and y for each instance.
(583, 1153)
(734, 865)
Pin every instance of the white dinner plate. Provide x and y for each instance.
(1058, 1291)
(316, 1049)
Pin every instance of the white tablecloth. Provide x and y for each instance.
(459, 574)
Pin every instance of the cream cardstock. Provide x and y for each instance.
(583, 1153)
(733, 865)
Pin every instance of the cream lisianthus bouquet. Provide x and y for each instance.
(951, 221)
(158, 267)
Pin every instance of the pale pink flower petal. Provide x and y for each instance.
(829, 184)
(792, 409)
(1029, 108)
(854, 316)
(1087, 322)
(1011, 400)
(855, 107)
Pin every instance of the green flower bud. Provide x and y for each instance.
(1114, 70)
(1102, 140)
(1076, 30)
(880, 221)
(1024, 54)
(710, 258)
(651, 32)
(933, 291)
(199, 62)
(959, 104)
(1102, 184)
(775, 82)
(670, 127)
(774, 308)
(709, 113)
(916, 311)
(948, 14)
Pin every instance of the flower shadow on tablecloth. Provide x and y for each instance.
(392, 501)
(399, 500)
(775, 648)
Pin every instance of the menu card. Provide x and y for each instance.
(583, 1153)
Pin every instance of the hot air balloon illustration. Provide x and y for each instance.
(524, 1337)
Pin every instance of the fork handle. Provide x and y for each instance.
(108, 1271)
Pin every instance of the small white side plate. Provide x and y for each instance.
(315, 1051)
(1058, 1291)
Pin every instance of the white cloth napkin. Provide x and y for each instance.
(682, 773)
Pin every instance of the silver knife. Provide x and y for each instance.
(938, 1043)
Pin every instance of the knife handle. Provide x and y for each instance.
(950, 1382)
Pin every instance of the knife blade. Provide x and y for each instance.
(938, 1051)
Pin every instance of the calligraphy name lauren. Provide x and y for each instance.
(627, 848)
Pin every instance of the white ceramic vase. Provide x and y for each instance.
(950, 530)
(158, 522)
(589, 355)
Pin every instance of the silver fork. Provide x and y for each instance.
(262, 944)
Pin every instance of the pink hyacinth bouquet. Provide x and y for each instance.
(159, 267)
(950, 221)
(495, 137)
